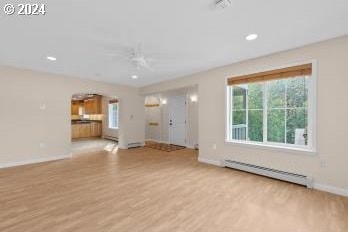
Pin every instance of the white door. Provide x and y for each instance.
(177, 120)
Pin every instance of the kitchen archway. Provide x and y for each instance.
(94, 123)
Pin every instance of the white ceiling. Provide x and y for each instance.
(182, 36)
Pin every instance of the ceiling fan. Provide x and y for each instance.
(134, 55)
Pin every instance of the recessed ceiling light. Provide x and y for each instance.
(251, 37)
(51, 58)
(135, 77)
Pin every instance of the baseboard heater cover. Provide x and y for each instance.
(276, 174)
(134, 145)
(111, 138)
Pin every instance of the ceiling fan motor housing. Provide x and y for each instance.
(222, 4)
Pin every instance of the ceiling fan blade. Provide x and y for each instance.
(147, 66)
(134, 55)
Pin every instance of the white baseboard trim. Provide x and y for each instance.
(331, 189)
(317, 186)
(34, 161)
(212, 162)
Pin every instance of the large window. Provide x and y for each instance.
(113, 114)
(272, 108)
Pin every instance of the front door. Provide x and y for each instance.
(177, 120)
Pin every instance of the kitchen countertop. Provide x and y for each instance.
(81, 121)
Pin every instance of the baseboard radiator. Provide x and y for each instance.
(135, 145)
(111, 138)
(276, 174)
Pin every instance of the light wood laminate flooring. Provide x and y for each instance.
(150, 190)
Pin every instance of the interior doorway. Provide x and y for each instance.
(94, 123)
(171, 117)
(177, 120)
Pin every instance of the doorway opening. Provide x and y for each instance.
(94, 123)
(172, 118)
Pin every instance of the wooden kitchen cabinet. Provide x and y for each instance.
(96, 129)
(87, 104)
(99, 129)
(75, 131)
(93, 105)
(80, 130)
(86, 130)
(75, 105)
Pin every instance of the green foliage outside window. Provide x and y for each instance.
(287, 102)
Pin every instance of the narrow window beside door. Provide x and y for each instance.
(113, 115)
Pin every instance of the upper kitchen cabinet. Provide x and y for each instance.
(93, 105)
(75, 105)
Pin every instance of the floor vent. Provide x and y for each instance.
(281, 175)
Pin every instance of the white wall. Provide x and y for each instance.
(24, 126)
(332, 126)
(192, 117)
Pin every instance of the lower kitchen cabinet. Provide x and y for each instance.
(75, 131)
(85, 130)
(96, 129)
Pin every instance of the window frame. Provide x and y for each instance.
(118, 114)
(312, 115)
